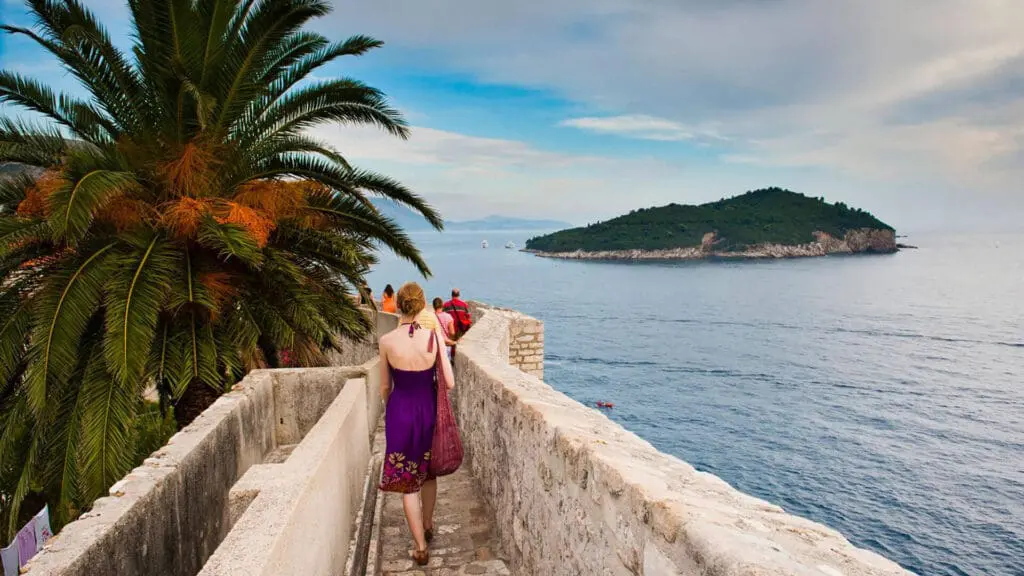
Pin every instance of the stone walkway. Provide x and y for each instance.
(464, 541)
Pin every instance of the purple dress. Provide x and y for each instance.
(409, 430)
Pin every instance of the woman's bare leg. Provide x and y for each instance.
(414, 516)
(429, 496)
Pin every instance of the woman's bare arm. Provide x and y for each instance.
(385, 373)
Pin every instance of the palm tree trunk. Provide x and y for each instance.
(196, 398)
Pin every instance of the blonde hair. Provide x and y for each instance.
(410, 299)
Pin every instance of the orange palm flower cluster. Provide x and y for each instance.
(37, 197)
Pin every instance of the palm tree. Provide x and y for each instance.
(176, 228)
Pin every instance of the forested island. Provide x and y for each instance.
(766, 223)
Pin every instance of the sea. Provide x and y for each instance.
(880, 395)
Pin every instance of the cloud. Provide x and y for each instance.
(874, 102)
(873, 85)
(468, 176)
(451, 150)
(642, 127)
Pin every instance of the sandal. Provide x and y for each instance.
(421, 557)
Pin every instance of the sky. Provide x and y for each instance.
(581, 110)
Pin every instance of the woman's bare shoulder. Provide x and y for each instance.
(387, 338)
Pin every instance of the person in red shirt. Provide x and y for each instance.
(460, 313)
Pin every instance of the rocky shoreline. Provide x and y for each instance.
(862, 241)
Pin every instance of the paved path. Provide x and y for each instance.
(464, 541)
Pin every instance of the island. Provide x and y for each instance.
(765, 223)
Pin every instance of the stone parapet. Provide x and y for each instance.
(521, 345)
(303, 515)
(278, 442)
(168, 515)
(356, 352)
(526, 345)
(575, 493)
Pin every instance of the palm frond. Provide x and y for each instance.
(62, 309)
(16, 232)
(134, 297)
(230, 241)
(77, 38)
(305, 167)
(342, 100)
(32, 145)
(82, 119)
(381, 185)
(107, 411)
(74, 205)
(356, 218)
(15, 326)
(20, 444)
(289, 77)
(259, 32)
(63, 472)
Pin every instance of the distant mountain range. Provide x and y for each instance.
(411, 221)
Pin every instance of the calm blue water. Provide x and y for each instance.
(882, 396)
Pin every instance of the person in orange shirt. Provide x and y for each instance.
(387, 301)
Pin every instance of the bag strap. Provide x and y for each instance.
(430, 345)
(438, 369)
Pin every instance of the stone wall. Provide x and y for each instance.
(520, 345)
(169, 515)
(302, 511)
(575, 493)
(356, 352)
(272, 468)
(526, 345)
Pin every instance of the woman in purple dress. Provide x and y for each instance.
(407, 363)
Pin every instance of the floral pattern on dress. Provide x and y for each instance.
(403, 475)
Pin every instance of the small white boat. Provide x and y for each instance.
(483, 244)
(510, 245)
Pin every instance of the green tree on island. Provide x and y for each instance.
(768, 215)
(175, 228)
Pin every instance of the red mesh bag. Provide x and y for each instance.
(446, 447)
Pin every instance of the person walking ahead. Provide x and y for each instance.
(446, 323)
(387, 301)
(408, 357)
(460, 312)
